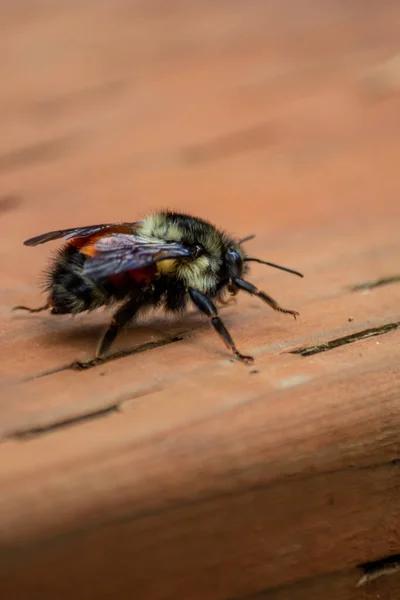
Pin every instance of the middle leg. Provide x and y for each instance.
(121, 317)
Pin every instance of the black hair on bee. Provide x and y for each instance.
(167, 260)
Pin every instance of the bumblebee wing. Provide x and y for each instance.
(114, 254)
(81, 232)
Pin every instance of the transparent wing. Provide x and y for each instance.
(114, 254)
(81, 232)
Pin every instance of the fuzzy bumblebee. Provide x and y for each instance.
(166, 260)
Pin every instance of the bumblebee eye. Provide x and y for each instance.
(235, 263)
(235, 257)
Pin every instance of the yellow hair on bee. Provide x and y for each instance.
(197, 274)
(200, 273)
(157, 225)
(166, 267)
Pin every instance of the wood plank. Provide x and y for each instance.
(175, 472)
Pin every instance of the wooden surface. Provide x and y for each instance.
(171, 472)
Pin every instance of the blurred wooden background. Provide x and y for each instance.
(173, 472)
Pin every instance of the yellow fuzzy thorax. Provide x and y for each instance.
(200, 273)
(194, 274)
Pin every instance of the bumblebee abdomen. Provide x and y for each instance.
(71, 292)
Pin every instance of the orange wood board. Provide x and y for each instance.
(171, 471)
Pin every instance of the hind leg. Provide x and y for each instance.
(32, 310)
(120, 318)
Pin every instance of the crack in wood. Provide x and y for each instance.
(39, 430)
(373, 570)
(370, 285)
(26, 434)
(347, 339)
(89, 364)
(386, 566)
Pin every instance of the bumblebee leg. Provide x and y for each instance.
(119, 319)
(206, 306)
(251, 289)
(32, 310)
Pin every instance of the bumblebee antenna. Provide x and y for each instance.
(246, 239)
(264, 262)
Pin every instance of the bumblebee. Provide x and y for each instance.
(167, 260)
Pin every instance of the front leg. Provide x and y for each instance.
(251, 289)
(207, 307)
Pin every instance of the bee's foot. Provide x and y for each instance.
(81, 365)
(294, 313)
(248, 360)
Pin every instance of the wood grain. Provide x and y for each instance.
(170, 471)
